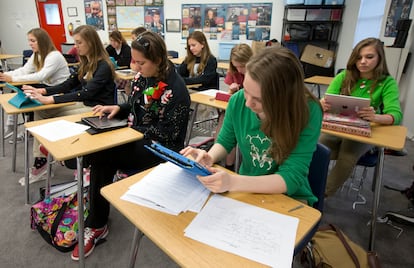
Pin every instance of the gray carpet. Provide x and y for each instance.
(22, 247)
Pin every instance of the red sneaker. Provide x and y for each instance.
(92, 236)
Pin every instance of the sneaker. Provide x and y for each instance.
(19, 138)
(38, 172)
(8, 132)
(92, 237)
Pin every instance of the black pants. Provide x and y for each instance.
(104, 164)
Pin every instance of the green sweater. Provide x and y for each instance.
(241, 127)
(385, 92)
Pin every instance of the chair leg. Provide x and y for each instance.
(359, 188)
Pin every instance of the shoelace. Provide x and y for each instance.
(89, 234)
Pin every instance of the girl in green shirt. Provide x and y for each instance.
(366, 76)
(276, 123)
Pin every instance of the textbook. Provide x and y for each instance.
(21, 100)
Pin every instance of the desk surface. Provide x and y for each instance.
(392, 137)
(321, 80)
(177, 60)
(9, 56)
(10, 109)
(167, 231)
(223, 65)
(21, 83)
(127, 74)
(86, 143)
(201, 98)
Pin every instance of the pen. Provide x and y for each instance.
(75, 140)
(296, 208)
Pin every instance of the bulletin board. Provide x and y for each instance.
(229, 21)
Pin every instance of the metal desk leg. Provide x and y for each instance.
(14, 142)
(190, 125)
(2, 131)
(79, 164)
(49, 175)
(136, 240)
(377, 193)
(26, 165)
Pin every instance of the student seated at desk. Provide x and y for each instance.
(46, 65)
(366, 75)
(119, 49)
(276, 122)
(199, 66)
(159, 108)
(92, 85)
(239, 56)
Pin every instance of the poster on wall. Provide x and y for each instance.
(154, 19)
(228, 21)
(191, 19)
(94, 14)
(398, 10)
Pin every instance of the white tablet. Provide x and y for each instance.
(346, 105)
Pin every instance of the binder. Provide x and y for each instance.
(21, 101)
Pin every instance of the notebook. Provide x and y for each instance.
(103, 124)
(346, 105)
(21, 100)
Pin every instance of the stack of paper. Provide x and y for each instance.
(246, 230)
(170, 189)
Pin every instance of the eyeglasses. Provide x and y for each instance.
(143, 42)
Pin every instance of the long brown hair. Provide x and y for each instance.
(284, 97)
(153, 47)
(96, 52)
(240, 53)
(45, 46)
(205, 53)
(117, 36)
(352, 73)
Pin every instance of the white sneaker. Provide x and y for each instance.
(8, 132)
(19, 138)
(42, 175)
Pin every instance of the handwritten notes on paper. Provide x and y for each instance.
(246, 230)
(170, 189)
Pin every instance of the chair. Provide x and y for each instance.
(172, 53)
(318, 173)
(26, 55)
(368, 160)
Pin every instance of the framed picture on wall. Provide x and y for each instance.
(72, 11)
(120, 2)
(173, 25)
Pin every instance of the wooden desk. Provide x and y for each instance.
(20, 83)
(12, 110)
(5, 57)
(392, 137)
(318, 81)
(177, 61)
(201, 98)
(167, 231)
(223, 65)
(66, 149)
(127, 74)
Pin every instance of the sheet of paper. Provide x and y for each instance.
(245, 230)
(209, 92)
(58, 130)
(169, 188)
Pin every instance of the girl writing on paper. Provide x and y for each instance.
(92, 85)
(276, 122)
(158, 107)
(366, 75)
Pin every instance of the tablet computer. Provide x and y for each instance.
(346, 105)
(21, 100)
(104, 123)
(178, 159)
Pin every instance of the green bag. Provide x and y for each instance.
(330, 247)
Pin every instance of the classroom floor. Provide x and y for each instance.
(22, 247)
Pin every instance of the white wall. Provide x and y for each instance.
(19, 16)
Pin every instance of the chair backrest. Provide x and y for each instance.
(318, 173)
(26, 55)
(173, 53)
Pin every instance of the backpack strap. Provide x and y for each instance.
(346, 245)
(59, 216)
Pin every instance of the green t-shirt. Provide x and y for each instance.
(241, 126)
(385, 93)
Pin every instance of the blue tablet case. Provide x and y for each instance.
(178, 159)
(21, 100)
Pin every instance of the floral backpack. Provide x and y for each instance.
(56, 219)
